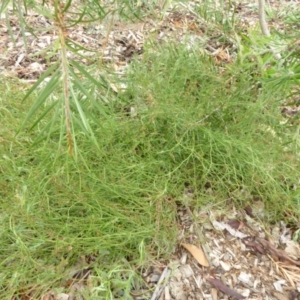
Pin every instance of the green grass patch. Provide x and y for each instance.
(182, 121)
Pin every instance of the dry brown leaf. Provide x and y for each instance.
(197, 253)
(277, 253)
(249, 212)
(225, 289)
(236, 224)
(254, 245)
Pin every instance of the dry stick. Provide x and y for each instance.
(262, 18)
(60, 23)
(161, 284)
(263, 23)
(106, 41)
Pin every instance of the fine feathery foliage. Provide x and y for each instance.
(192, 124)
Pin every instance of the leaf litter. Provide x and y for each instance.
(197, 253)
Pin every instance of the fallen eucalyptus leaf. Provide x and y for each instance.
(197, 253)
(225, 289)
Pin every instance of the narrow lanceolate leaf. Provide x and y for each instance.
(83, 71)
(41, 79)
(67, 5)
(225, 289)
(4, 6)
(41, 117)
(46, 131)
(75, 47)
(91, 98)
(46, 92)
(197, 253)
(81, 111)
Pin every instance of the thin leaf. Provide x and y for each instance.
(40, 80)
(75, 47)
(49, 88)
(47, 52)
(83, 118)
(81, 16)
(67, 5)
(82, 115)
(88, 75)
(4, 6)
(22, 23)
(8, 25)
(47, 130)
(88, 95)
(43, 114)
(225, 289)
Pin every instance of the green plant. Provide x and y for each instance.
(76, 89)
(182, 121)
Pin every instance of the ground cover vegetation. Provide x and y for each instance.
(91, 177)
